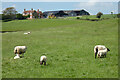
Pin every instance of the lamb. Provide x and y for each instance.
(43, 59)
(27, 33)
(18, 50)
(97, 48)
(102, 53)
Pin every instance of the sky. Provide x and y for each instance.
(92, 6)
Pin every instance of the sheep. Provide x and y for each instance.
(43, 59)
(98, 48)
(102, 53)
(27, 33)
(18, 50)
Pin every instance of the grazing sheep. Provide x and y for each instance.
(97, 48)
(19, 50)
(102, 53)
(43, 59)
(27, 33)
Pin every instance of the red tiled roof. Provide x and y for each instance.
(29, 11)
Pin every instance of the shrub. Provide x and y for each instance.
(99, 14)
(6, 20)
(78, 17)
(19, 16)
(118, 15)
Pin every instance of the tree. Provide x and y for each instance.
(118, 15)
(11, 12)
(35, 14)
(99, 14)
(112, 13)
(19, 16)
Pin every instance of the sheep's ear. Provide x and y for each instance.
(108, 49)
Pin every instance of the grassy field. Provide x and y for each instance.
(68, 45)
(105, 16)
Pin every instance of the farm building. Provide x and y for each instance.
(55, 13)
(63, 13)
(33, 13)
(76, 12)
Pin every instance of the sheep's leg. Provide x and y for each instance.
(17, 54)
(105, 55)
(98, 55)
(44, 63)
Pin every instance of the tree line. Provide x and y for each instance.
(10, 13)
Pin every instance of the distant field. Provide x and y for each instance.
(68, 45)
(105, 16)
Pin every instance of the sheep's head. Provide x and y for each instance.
(15, 51)
(41, 62)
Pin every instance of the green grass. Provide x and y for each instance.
(68, 45)
(105, 16)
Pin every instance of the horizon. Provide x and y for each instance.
(91, 7)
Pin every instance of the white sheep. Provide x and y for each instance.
(18, 50)
(102, 53)
(98, 48)
(27, 33)
(43, 59)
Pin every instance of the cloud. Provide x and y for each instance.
(60, 1)
(96, 6)
(92, 2)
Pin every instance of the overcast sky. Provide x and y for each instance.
(92, 6)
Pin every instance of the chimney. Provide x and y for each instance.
(31, 9)
(24, 9)
(38, 10)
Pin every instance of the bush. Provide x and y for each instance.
(118, 15)
(99, 14)
(78, 17)
(19, 16)
(6, 20)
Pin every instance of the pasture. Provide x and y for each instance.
(68, 45)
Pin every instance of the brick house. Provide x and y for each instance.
(32, 13)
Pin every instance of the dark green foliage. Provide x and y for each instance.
(99, 14)
(0, 16)
(28, 16)
(78, 17)
(118, 15)
(35, 14)
(19, 16)
(9, 13)
(7, 18)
